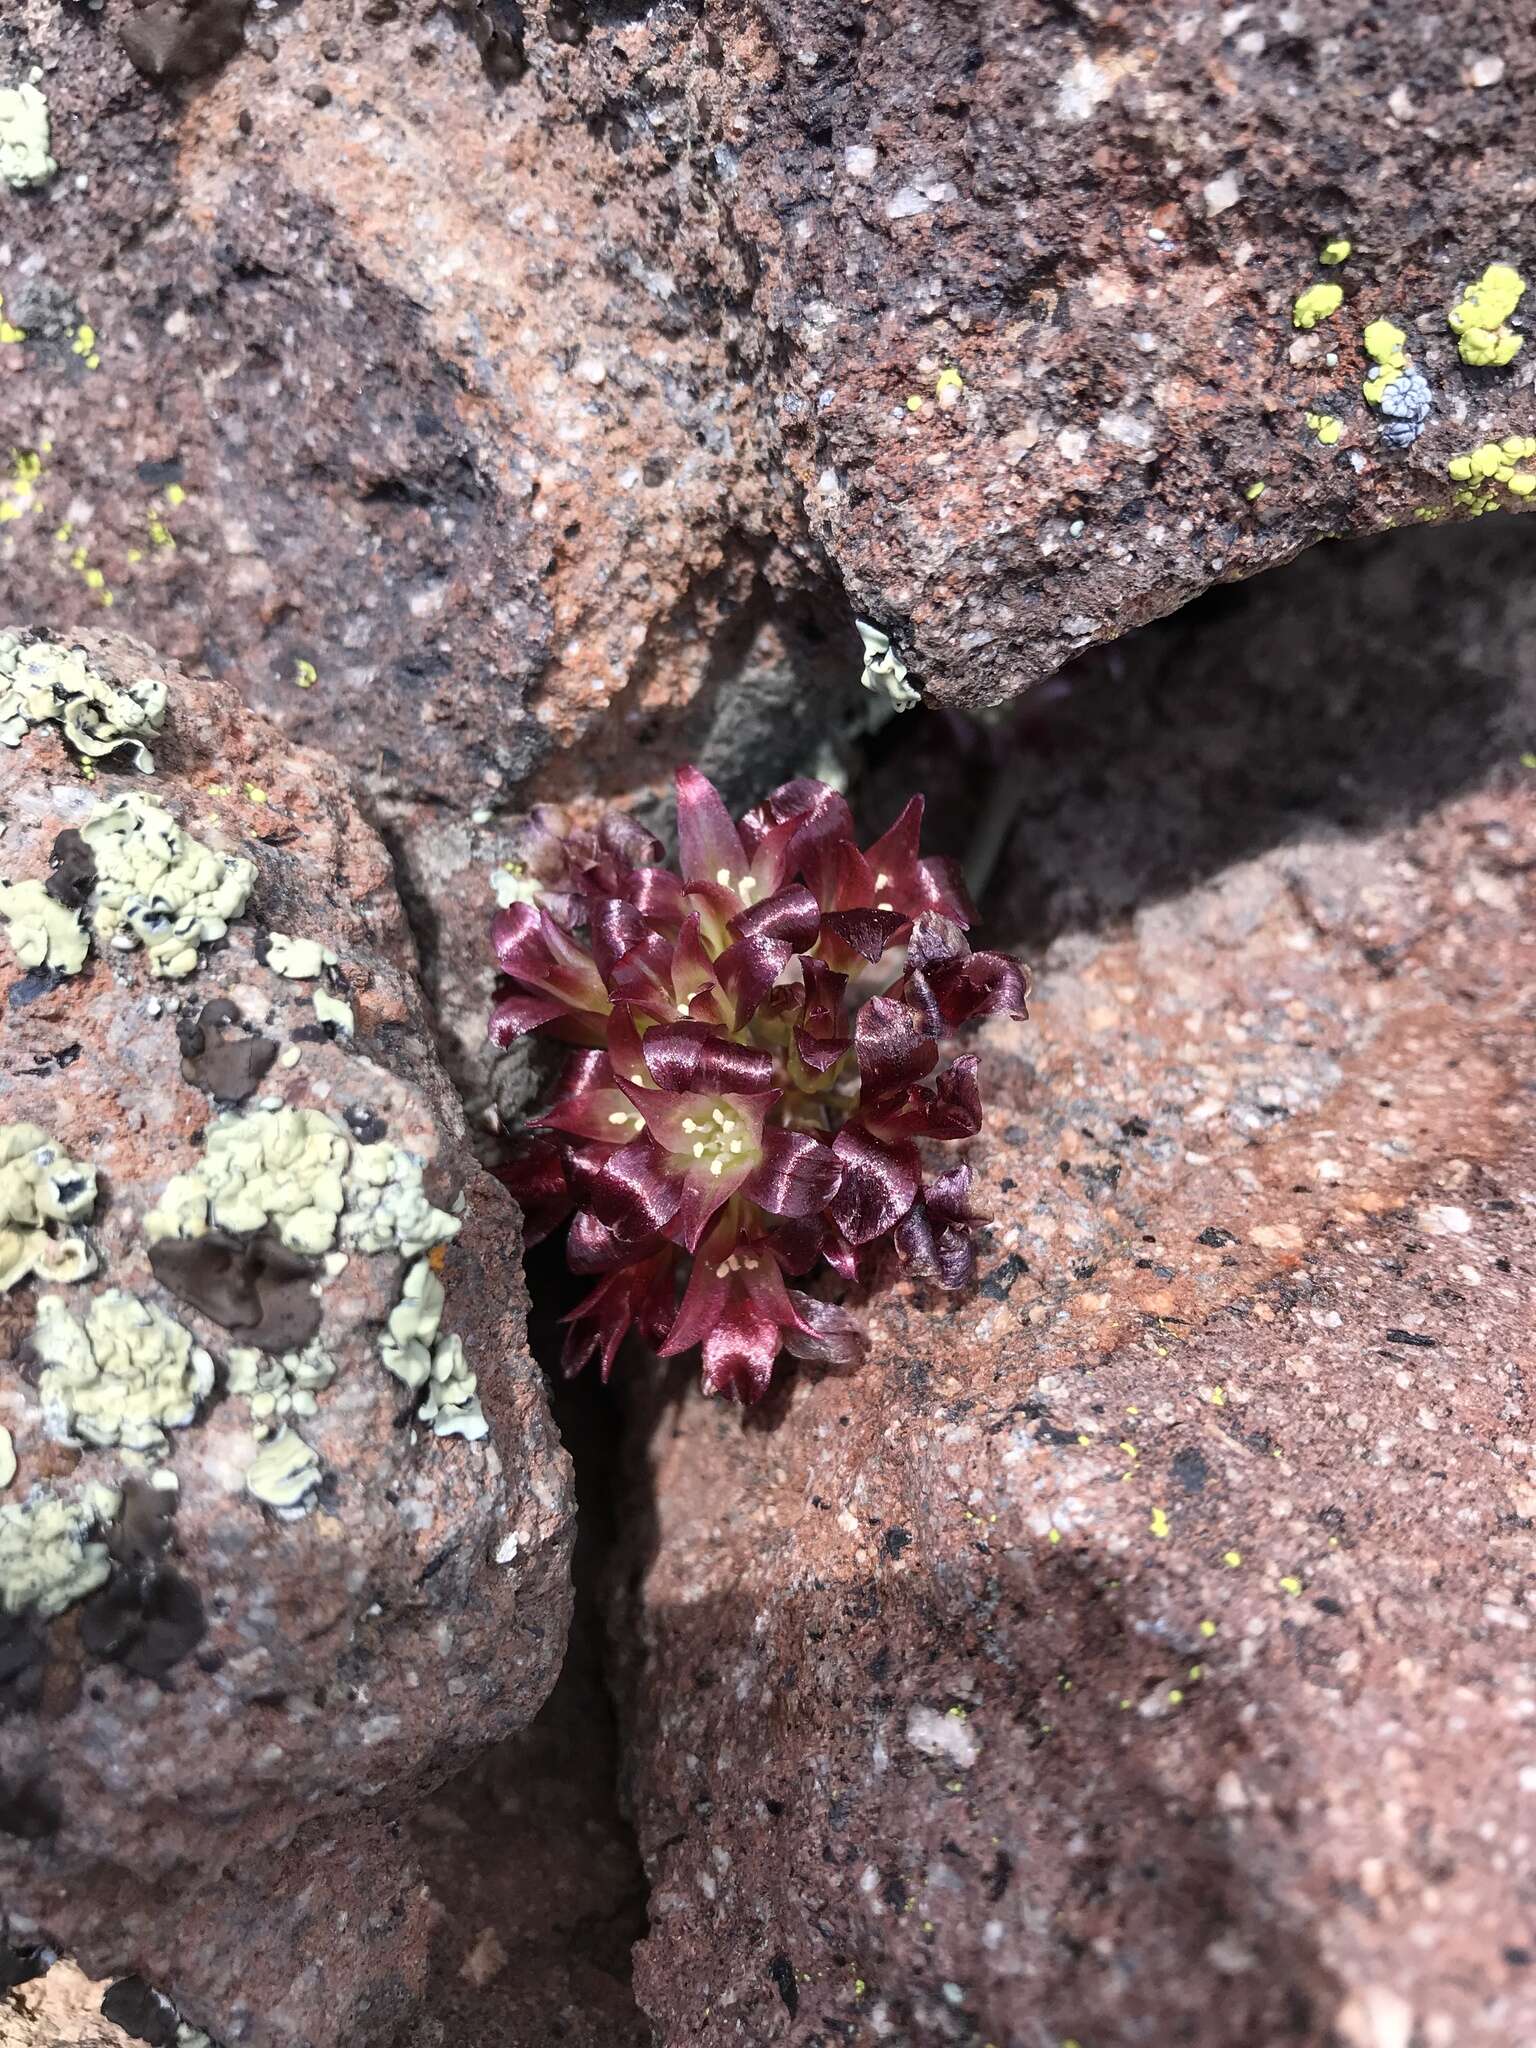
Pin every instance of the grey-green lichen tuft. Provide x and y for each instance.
(412, 1349)
(43, 932)
(51, 1554)
(46, 681)
(24, 138)
(41, 1188)
(124, 1375)
(158, 887)
(302, 1171)
(283, 1474)
(277, 1388)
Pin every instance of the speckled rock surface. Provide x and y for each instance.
(547, 428)
(1138, 1650)
(205, 1757)
(1101, 219)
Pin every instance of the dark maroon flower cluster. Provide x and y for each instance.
(758, 1059)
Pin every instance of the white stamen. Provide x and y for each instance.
(722, 1270)
(619, 1116)
(717, 1167)
(735, 1144)
(689, 1124)
(882, 882)
(723, 877)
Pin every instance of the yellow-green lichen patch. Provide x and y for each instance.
(1254, 492)
(1401, 392)
(283, 1474)
(1479, 319)
(1494, 462)
(20, 493)
(884, 671)
(1334, 250)
(1326, 425)
(124, 1375)
(24, 138)
(278, 1388)
(297, 959)
(49, 681)
(302, 1172)
(412, 1349)
(1317, 302)
(42, 1187)
(158, 887)
(1384, 344)
(949, 389)
(50, 1551)
(43, 933)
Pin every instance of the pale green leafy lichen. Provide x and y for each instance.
(297, 959)
(7, 1458)
(49, 682)
(332, 1010)
(304, 1173)
(1480, 317)
(450, 1404)
(284, 1472)
(420, 1358)
(884, 670)
(158, 887)
(1335, 250)
(24, 138)
(124, 1375)
(42, 932)
(40, 1187)
(278, 1388)
(50, 1555)
(387, 1207)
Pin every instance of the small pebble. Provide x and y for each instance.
(318, 95)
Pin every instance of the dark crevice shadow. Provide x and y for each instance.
(530, 1842)
(1359, 686)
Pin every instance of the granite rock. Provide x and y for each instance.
(1136, 1649)
(525, 430)
(290, 1605)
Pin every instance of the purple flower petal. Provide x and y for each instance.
(634, 1194)
(689, 1058)
(515, 1015)
(950, 1110)
(799, 1174)
(864, 931)
(878, 1187)
(747, 970)
(792, 916)
(821, 1332)
(709, 846)
(894, 1050)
